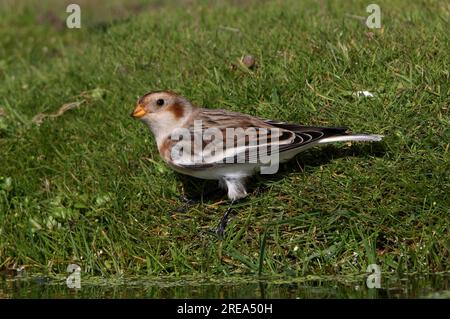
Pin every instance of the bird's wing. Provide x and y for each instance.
(305, 135)
(227, 137)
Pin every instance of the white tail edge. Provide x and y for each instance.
(356, 138)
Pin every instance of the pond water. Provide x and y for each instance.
(418, 286)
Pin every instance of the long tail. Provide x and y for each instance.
(352, 137)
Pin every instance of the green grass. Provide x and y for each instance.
(89, 186)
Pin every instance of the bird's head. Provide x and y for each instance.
(162, 103)
(162, 112)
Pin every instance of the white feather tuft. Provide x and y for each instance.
(235, 188)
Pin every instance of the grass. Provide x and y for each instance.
(88, 186)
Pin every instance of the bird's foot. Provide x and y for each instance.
(220, 230)
(187, 202)
(209, 193)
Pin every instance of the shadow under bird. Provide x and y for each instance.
(212, 144)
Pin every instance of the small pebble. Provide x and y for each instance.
(249, 61)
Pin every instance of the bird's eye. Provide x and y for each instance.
(160, 102)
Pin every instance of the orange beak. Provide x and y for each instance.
(138, 112)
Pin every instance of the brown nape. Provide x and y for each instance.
(177, 110)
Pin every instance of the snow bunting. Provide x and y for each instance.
(227, 146)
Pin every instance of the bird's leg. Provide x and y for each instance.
(206, 194)
(190, 201)
(220, 230)
(209, 193)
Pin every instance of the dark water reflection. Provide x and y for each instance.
(431, 286)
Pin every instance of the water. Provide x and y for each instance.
(429, 286)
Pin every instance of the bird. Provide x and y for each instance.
(218, 144)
